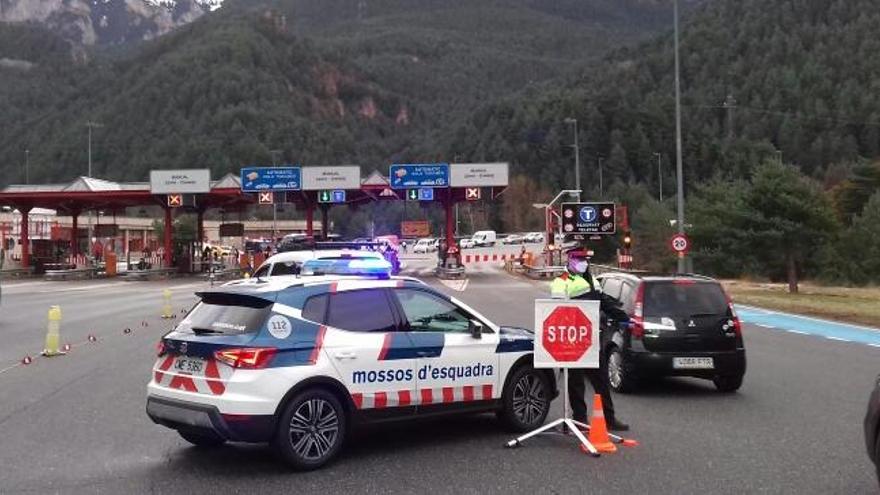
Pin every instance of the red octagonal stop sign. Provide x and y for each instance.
(568, 334)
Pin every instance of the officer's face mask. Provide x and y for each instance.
(578, 265)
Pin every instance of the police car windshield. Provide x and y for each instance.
(227, 314)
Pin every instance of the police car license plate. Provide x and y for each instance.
(189, 365)
(699, 363)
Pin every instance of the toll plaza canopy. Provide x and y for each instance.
(85, 194)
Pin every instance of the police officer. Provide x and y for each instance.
(578, 283)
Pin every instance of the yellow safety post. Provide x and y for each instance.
(166, 304)
(53, 333)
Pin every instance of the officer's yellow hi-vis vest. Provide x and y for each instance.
(570, 286)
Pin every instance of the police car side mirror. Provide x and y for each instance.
(476, 329)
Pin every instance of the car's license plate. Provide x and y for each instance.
(699, 363)
(189, 365)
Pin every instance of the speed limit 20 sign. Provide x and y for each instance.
(680, 243)
(566, 333)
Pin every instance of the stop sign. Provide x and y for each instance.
(567, 334)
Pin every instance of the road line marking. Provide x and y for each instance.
(796, 331)
(765, 326)
(829, 337)
(874, 345)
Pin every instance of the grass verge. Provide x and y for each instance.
(853, 305)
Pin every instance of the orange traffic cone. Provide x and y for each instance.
(599, 430)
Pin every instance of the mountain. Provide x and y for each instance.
(105, 22)
(321, 81)
(796, 80)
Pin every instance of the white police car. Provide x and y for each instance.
(298, 361)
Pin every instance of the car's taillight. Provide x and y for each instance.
(160, 348)
(637, 328)
(246, 357)
(737, 325)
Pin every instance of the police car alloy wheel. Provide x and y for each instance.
(526, 400)
(311, 429)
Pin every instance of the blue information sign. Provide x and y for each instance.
(426, 194)
(414, 175)
(286, 178)
(339, 196)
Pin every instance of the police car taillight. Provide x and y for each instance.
(160, 348)
(246, 357)
(637, 322)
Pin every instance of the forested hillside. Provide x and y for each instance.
(803, 76)
(325, 82)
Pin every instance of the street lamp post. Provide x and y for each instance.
(274, 153)
(678, 158)
(90, 124)
(577, 156)
(659, 175)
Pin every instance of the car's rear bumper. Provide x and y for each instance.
(202, 418)
(661, 363)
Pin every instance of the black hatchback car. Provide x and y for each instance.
(682, 325)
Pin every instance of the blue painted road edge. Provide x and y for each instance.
(810, 326)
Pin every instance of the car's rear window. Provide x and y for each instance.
(227, 314)
(684, 298)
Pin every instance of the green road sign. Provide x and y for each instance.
(412, 194)
(325, 197)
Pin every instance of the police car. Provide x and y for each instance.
(298, 361)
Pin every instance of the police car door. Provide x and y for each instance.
(454, 368)
(374, 360)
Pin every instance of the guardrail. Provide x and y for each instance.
(16, 272)
(70, 273)
(149, 273)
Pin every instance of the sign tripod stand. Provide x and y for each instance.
(563, 425)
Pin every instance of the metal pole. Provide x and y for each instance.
(577, 156)
(89, 125)
(27, 166)
(678, 160)
(274, 203)
(660, 175)
(601, 186)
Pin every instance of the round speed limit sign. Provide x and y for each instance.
(680, 243)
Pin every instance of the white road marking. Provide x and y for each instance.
(796, 331)
(764, 326)
(829, 337)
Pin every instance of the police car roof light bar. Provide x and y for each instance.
(368, 267)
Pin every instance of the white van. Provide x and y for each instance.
(484, 238)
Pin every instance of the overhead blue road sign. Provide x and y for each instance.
(414, 175)
(339, 196)
(426, 194)
(286, 178)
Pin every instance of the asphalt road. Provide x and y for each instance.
(76, 424)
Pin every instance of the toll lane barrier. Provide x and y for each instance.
(494, 258)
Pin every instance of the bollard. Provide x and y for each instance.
(53, 333)
(166, 304)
